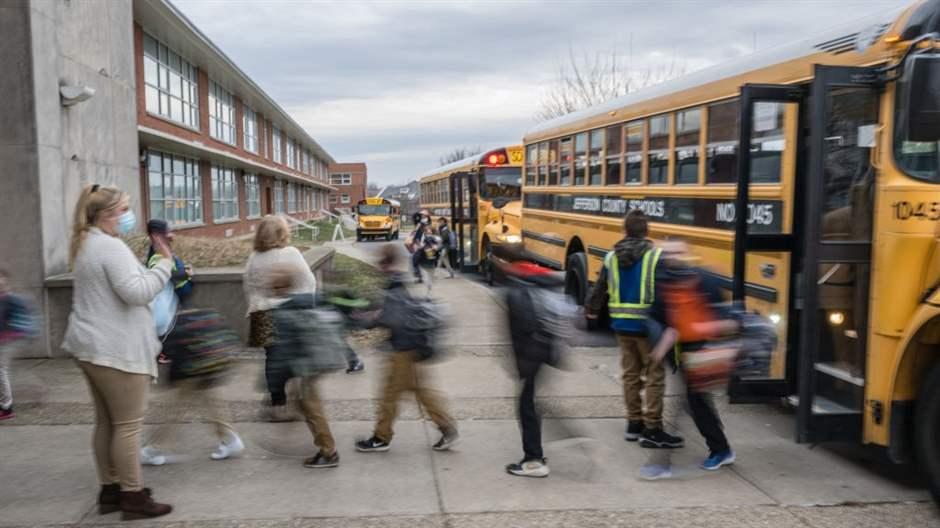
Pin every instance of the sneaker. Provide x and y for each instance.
(716, 460)
(659, 439)
(449, 439)
(7, 414)
(537, 468)
(357, 366)
(229, 447)
(322, 461)
(372, 445)
(655, 471)
(634, 430)
(151, 456)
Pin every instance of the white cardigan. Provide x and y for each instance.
(111, 324)
(257, 277)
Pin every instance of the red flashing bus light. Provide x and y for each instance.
(496, 158)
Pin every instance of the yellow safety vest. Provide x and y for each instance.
(631, 310)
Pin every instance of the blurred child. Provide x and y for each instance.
(17, 324)
(431, 246)
(686, 316)
(182, 274)
(448, 254)
(410, 328)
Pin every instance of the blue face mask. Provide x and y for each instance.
(127, 222)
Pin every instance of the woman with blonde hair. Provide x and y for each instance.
(272, 250)
(111, 334)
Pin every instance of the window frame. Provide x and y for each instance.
(224, 186)
(650, 151)
(221, 114)
(276, 146)
(169, 66)
(192, 186)
(250, 138)
(252, 182)
(679, 150)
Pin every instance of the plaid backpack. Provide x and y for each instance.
(201, 345)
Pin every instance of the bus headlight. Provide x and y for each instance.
(509, 239)
(775, 318)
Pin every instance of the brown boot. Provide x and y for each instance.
(109, 500)
(139, 505)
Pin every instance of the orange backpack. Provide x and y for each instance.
(687, 309)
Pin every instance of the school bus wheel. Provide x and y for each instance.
(927, 430)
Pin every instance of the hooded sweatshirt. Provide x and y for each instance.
(629, 253)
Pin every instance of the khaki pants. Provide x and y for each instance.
(641, 372)
(120, 402)
(402, 373)
(312, 409)
(191, 394)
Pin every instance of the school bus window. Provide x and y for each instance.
(543, 163)
(768, 142)
(531, 159)
(565, 156)
(722, 149)
(553, 162)
(659, 149)
(580, 157)
(633, 156)
(614, 149)
(688, 132)
(596, 151)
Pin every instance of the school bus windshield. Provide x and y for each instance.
(374, 210)
(502, 182)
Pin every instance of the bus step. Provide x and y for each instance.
(822, 405)
(840, 372)
(826, 406)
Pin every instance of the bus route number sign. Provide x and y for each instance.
(515, 155)
(905, 210)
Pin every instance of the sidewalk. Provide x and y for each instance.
(47, 475)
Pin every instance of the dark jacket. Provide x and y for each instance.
(310, 339)
(629, 253)
(530, 349)
(183, 285)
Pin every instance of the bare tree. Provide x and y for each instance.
(585, 81)
(459, 153)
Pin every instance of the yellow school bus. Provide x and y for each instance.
(826, 220)
(481, 197)
(378, 217)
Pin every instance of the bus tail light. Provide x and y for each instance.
(496, 158)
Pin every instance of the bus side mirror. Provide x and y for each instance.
(920, 93)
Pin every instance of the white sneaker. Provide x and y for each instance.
(230, 447)
(529, 468)
(656, 471)
(151, 456)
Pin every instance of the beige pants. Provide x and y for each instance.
(312, 409)
(641, 373)
(120, 402)
(402, 373)
(192, 395)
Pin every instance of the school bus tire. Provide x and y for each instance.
(576, 277)
(927, 430)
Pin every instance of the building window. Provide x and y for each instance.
(250, 129)
(276, 143)
(343, 178)
(344, 198)
(278, 197)
(170, 81)
(224, 194)
(253, 195)
(175, 189)
(291, 153)
(334, 198)
(221, 114)
(262, 137)
(291, 198)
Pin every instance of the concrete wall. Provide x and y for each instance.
(217, 288)
(48, 151)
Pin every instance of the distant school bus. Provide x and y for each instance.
(826, 220)
(378, 217)
(481, 198)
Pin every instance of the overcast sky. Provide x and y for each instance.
(399, 84)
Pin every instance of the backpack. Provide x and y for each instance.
(19, 318)
(414, 323)
(310, 340)
(540, 324)
(200, 345)
(687, 308)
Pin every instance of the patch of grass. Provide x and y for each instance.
(205, 252)
(302, 235)
(352, 274)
